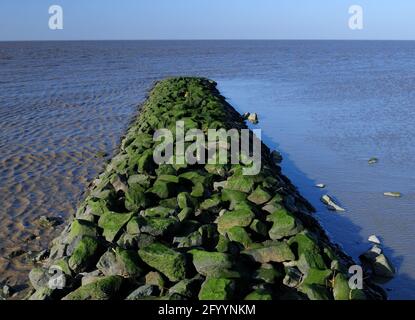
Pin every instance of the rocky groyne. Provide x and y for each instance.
(180, 231)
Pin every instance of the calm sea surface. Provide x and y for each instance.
(328, 106)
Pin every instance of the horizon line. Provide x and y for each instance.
(212, 39)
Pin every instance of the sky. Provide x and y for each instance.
(206, 19)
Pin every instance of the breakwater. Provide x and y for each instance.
(179, 231)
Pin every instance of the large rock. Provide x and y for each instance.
(237, 218)
(259, 294)
(135, 198)
(275, 252)
(239, 182)
(308, 252)
(259, 196)
(217, 289)
(120, 262)
(103, 289)
(284, 224)
(112, 223)
(143, 292)
(210, 264)
(39, 277)
(239, 235)
(85, 254)
(169, 262)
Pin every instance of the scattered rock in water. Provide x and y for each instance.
(101, 154)
(374, 239)
(49, 222)
(327, 200)
(16, 253)
(320, 185)
(373, 160)
(376, 249)
(392, 194)
(253, 118)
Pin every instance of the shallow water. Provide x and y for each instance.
(328, 106)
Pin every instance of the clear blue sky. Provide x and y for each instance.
(206, 19)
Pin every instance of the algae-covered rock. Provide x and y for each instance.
(39, 277)
(315, 292)
(103, 289)
(259, 294)
(259, 227)
(85, 254)
(259, 196)
(159, 211)
(192, 240)
(316, 276)
(236, 218)
(158, 226)
(43, 293)
(210, 203)
(240, 183)
(80, 228)
(234, 197)
(308, 252)
(275, 252)
(284, 225)
(112, 223)
(239, 234)
(210, 263)
(156, 279)
(217, 289)
(267, 273)
(120, 262)
(185, 200)
(187, 288)
(169, 262)
(135, 198)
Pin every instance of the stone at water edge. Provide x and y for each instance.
(374, 239)
(327, 200)
(245, 115)
(253, 118)
(392, 194)
(276, 157)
